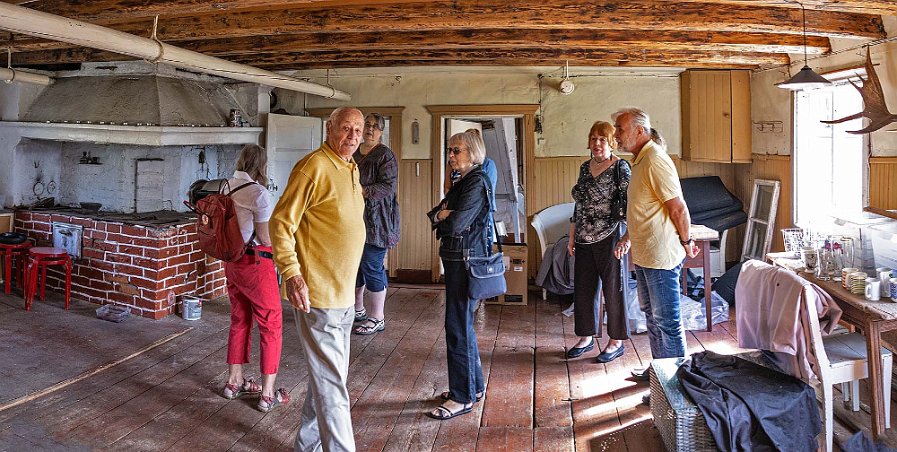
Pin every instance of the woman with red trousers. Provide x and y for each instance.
(252, 285)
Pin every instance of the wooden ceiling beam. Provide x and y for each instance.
(634, 15)
(879, 7)
(493, 62)
(557, 56)
(119, 10)
(462, 39)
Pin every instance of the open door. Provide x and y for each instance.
(289, 138)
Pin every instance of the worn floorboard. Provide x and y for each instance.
(167, 397)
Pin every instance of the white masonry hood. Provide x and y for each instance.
(138, 103)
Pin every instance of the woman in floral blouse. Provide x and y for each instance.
(594, 233)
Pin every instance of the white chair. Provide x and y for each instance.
(842, 359)
(551, 224)
(718, 257)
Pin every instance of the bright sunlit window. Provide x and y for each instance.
(828, 162)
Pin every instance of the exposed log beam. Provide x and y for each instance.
(493, 62)
(635, 16)
(463, 39)
(108, 11)
(880, 7)
(524, 57)
(119, 10)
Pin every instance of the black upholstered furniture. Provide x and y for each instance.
(711, 204)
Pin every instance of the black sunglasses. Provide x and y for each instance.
(454, 151)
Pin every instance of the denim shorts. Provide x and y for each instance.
(371, 272)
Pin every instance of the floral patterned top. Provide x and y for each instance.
(593, 197)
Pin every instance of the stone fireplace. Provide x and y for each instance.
(125, 262)
(130, 137)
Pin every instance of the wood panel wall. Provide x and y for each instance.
(771, 167)
(883, 182)
(553, 178)
(415, 201)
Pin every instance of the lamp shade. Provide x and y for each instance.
(805, 79)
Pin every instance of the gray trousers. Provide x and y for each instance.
(325, 423)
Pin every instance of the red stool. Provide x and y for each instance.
(39, 259)
(10, 253)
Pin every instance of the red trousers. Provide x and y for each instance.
(254, 295)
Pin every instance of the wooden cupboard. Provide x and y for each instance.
(716, 116)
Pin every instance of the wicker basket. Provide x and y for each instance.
(679, 421)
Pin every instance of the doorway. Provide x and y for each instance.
(509, 134)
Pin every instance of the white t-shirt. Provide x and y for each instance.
(253, 203)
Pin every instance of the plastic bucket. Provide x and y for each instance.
(191, 307)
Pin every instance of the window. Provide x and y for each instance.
(829, 163)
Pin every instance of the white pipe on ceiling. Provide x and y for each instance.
(26, 21)
(14, 75)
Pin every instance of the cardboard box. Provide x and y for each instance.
(516, 274)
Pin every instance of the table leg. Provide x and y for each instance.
(873, 344)
(708, 299)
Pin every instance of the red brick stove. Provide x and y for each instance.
(135, 265)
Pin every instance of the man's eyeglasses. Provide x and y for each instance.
(454, 151)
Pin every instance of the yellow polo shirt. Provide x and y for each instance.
(655, 241)
(317, 228)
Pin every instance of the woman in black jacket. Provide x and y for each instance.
(460, 221)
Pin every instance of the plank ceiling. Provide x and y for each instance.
(305, 34)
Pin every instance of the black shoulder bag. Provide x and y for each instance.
(618, 203)
(486, 275)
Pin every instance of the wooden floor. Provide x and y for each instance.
(166, 397)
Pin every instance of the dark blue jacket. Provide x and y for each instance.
(465, 228)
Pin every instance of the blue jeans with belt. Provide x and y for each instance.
(465, 373)
(658, 297)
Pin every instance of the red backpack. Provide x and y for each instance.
(218, 228)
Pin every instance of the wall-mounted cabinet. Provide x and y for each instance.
(716, 116)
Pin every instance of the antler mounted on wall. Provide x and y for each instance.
(874, 106)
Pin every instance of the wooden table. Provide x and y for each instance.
(873, 317)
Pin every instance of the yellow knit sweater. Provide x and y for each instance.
(317, 228)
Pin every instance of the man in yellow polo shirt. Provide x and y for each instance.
(317, 230)
(658, 227)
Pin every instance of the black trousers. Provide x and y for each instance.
(596, 268)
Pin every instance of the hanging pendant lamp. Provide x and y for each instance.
(805, 78)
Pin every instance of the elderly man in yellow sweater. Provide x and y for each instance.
(317, 230)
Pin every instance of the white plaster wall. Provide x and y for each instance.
(773, 103)
(37, 163)
(566, 119)
(113, 182)
(15, 98)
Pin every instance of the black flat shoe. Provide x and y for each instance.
(640, 374)
(575, 352)
(606, 357)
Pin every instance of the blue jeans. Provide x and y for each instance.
(465, 373)
(658, 297)
(371, 272)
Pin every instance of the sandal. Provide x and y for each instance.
(442, 413)
(372, 327)
(445, 396)
(361, 316)
(281, 397)
(249, 387)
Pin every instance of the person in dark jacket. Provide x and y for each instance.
(379, 173)
(460, 221)
(594, 236)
